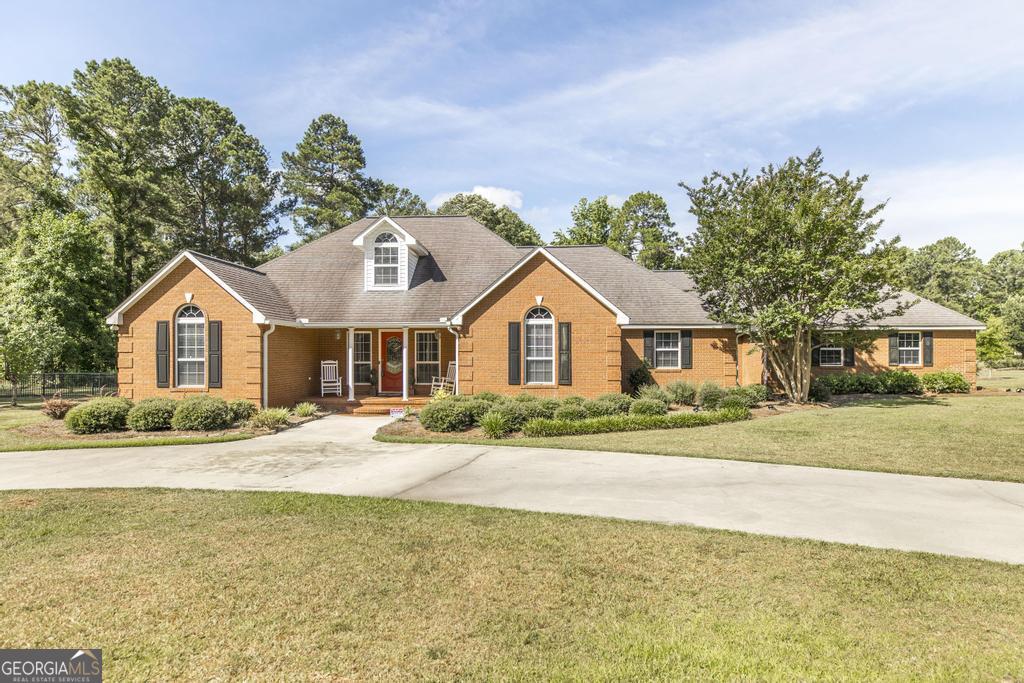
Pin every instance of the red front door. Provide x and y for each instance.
(391, 362)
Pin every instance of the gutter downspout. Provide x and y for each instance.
(455, 333)
(266, 354)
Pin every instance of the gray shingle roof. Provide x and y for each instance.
(678, 278)
(924, 313)
(250, 284)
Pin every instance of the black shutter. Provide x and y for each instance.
(686, 348)
(815, 356)
(848, 356)
(926, 342)
(514, 361)
(565, 353)
(163, 354)
(894, 349)
(649, 347)
(215, 355)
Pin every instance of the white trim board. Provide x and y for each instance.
(116, 317)
(407, 237)
(620, 317)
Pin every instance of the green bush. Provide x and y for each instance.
(496, 423)
(758, 391)
(241, 410)
(945, 382)
(648, 406)
(899, 382)
(819, 391)
(734, 400)
(599, 407)
(620, 401)
(851, 383)
(269, 418)
(745, 396)
(682, 393)
(545, 407)
(474, 405)
(654, 392)
(641, 376)
(488, 396)
(513, 413)
(632, 422)
(152, 414)
(710, 395)
(571, 411)
(525, 397)
(447, 415)
(106, 414)
(573, 401)
(201, 413)
(305, 409)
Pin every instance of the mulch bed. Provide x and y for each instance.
(55, 430)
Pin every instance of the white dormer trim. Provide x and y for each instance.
(409, 252)
(406, 237)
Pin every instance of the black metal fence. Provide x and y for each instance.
(68, 384)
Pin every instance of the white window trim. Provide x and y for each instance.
(678, 350)
(416, 359)
(920, 349)
(356, 363)
(550, 322)
(197, 322)
(398, 247)
(842, 356)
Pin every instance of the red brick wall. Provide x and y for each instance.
(714, 358)
(951, 350)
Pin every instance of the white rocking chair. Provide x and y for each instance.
(329, 381)
(446, 383)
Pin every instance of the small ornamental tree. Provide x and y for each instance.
(787, 254)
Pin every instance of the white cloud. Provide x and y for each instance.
(501, 196)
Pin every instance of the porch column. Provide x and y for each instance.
(405, 363)
(350, 366)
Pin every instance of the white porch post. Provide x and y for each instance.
(456, 362)
(405, 363)
(350, 371)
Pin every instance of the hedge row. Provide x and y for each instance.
(633, 423)
(892, 382)
(195, 413)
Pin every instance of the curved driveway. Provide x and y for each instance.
(337, 455)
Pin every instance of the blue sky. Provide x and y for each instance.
(537, 104)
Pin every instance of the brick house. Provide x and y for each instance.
(398, 301)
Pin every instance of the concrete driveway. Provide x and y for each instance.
(337, 455)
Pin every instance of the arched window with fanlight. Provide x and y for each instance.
(540, 346)
(190, 347)
(385, 260)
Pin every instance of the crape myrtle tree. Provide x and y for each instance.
(788, 254)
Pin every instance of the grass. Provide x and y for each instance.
(1008, 378)
(214, 585)
(976, 437)
(28, 414)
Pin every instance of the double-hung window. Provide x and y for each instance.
(540, 346)
(830, 356)
(385, 260)
(666, 349)
(361, 345)
(428, 357)
(909, 348)
(190, 347)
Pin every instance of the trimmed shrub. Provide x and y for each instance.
(758, 391)
(734, 400)
(819, 391)
(571, 411)
(573, 400)
(620, 401)
(632, 423)
(241, 410)
(269, 418)
(653, 391)
(447, 415)
(599, 407)
(682, 393)
(744, 396)
(496, 424)
(488, 396)
(513, 413)
(945, 382)
(152, 414)
(545, 407)
(524, 397)
(641, 376)
(305, 409)
(57, 407)
(851, 383)
(648, 406)
(899, 382)
(474, 405)
(201, 413)
(710, 395)
(106, 414)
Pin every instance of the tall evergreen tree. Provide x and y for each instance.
(948, 273)
(502, 220)
(388, 199)
(323, 180)
(642, 230)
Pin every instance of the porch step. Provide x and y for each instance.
(368, 405)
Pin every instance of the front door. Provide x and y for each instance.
(391, 365)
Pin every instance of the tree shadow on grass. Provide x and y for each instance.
(886, 401)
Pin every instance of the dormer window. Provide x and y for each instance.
(385, 260)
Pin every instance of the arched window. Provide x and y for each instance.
(190, 347)
(540, 346)
(385, 260)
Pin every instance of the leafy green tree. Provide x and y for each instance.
(220, 185)
(1013, 315)
(501, 219)
(788, 253)
(55, 272)
(591, 224)
(324, 184)
(392, 200)
(642, 230)
(32, 137)
(993, 341)
(113, 113)
(948, 273)
(1003, 277)
(28, 343)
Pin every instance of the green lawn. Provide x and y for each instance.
(212, 585)
(978, 437)
(13, 417)
(1009, 378)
